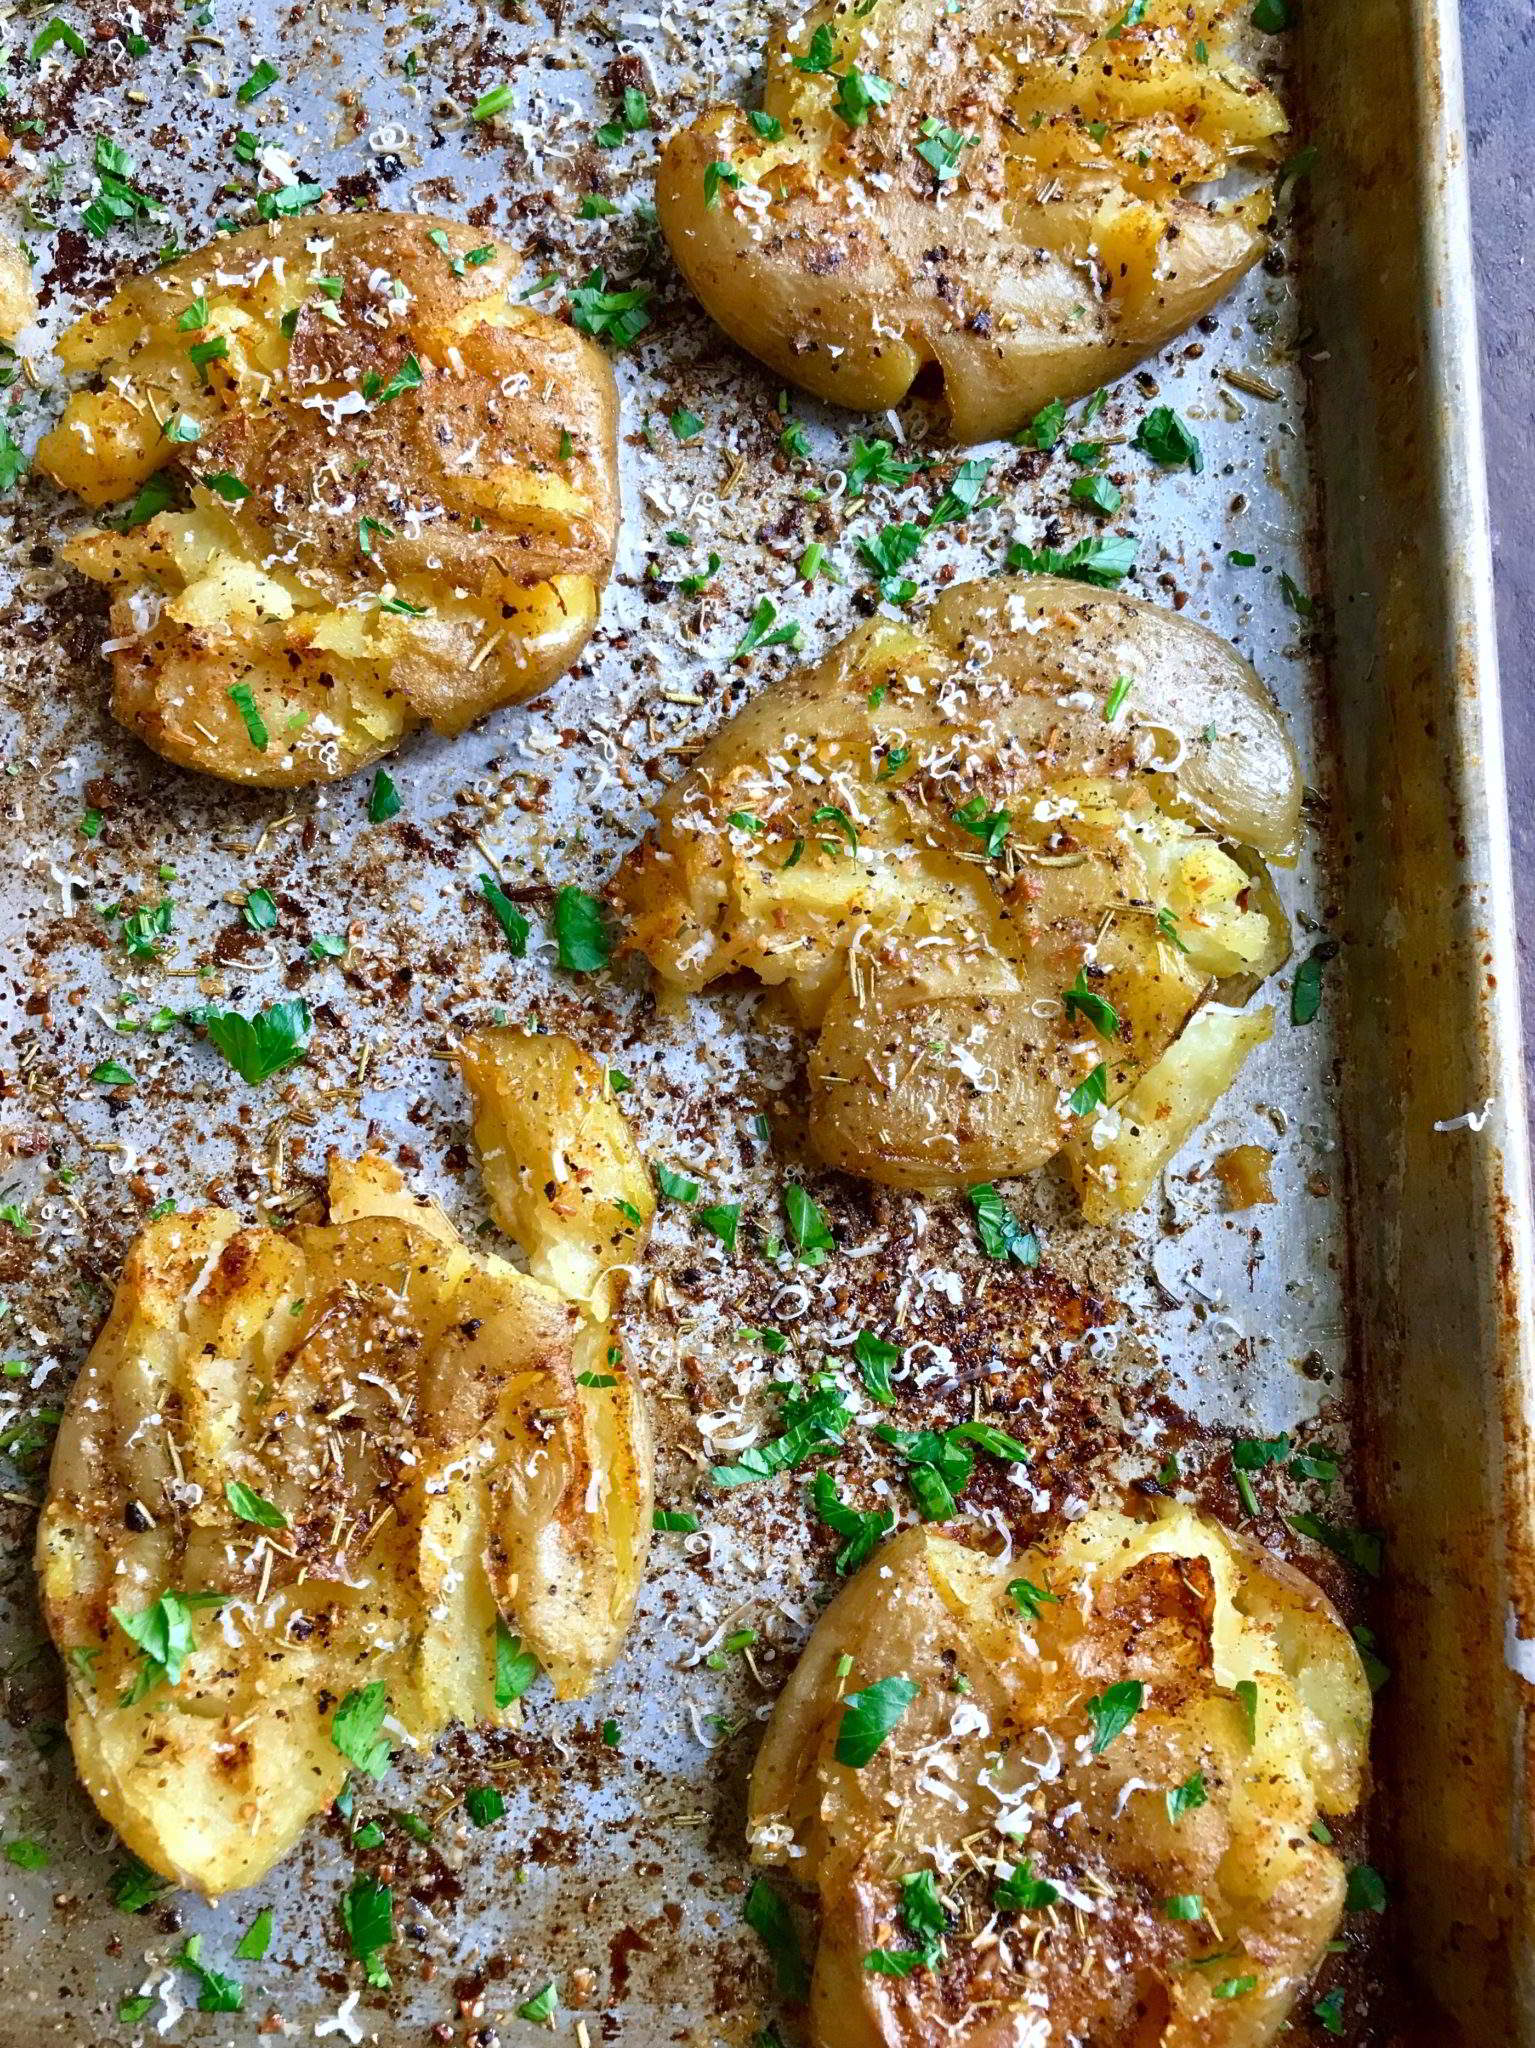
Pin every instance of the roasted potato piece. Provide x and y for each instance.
(1116, 1155)
(1004, 200)
(401, 487)
(18, 301)
(560, 1167)
(1137, 1722)
(996, 905)
(301, 1464)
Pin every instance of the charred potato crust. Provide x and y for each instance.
(442, 1452)
(1234, 1668)
(1002, 200)
(398, 496)
(983, 883)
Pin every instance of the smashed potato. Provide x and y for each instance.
(997, 865)
(389, 492)
(1004, 202)
(1091, 1816)
(18, 301)
(304, 1470)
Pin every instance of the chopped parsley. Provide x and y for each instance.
(762, 632)
(261, 80)
(582, 936)
(767, 1915)
(1002, 1235)
(1091, 1093)
(1168, 439)
(870, 1717)
(876, 1358)
(367, 1914)
(263, 1044)
(515, 1667)
(618, 317)
(162, 1633)
(860, 1532)
(248, 1506)
(1101, 560)
(942, 148)
(809, 1232)
(243, 698)
(514, 925)
(1022, 1892)
(1081, 1000)
(1112, 1711)
(355, 1729)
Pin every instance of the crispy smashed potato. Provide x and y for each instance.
(1092, 1821)
(391, 492)
(997, 865)
(18, 301)
(1004, 201)
(302, 1464)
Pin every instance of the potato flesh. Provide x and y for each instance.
(417, 557)
(973, 1782)
(1115, 1158)
(18, 301)
(1061, 242)
(935, 976)
(413, 1408)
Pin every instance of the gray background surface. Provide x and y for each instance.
(1500, 110)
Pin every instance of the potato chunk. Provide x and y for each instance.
(1151, 1712)
(995, 905)
(383, 493)
(1007, 197)
(301, 1464)
(18, 301)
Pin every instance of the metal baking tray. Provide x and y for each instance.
(1380, 1307)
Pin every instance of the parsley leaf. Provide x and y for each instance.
(514, 925)
(1082, 1000)
(875, 1358)
(1112, 1711)
(861, 1532)
(367, 1914)
(1002, 1235)
(1022, 1892)
(618, 317)
(1186, 1797)
(767, 1915)
(1167, 438)
(809, 1232)
(249, 1506)
(870, 1717)
(264, 1044)
(582, 937)
(516, 1668)
(1101, 560)
(355, 1729)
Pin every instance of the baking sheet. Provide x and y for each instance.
(618, 1872)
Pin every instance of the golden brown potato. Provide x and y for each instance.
(996, 865)
(1100, 1787)
(1005, 196)
(306, 1471)
(401, 487)
(18, 301)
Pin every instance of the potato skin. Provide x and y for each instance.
(972, 1782)
(1056, 247)
(932, 964)
(413, 544)
(414, 1411)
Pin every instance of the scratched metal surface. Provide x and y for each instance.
(1189, 1327)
